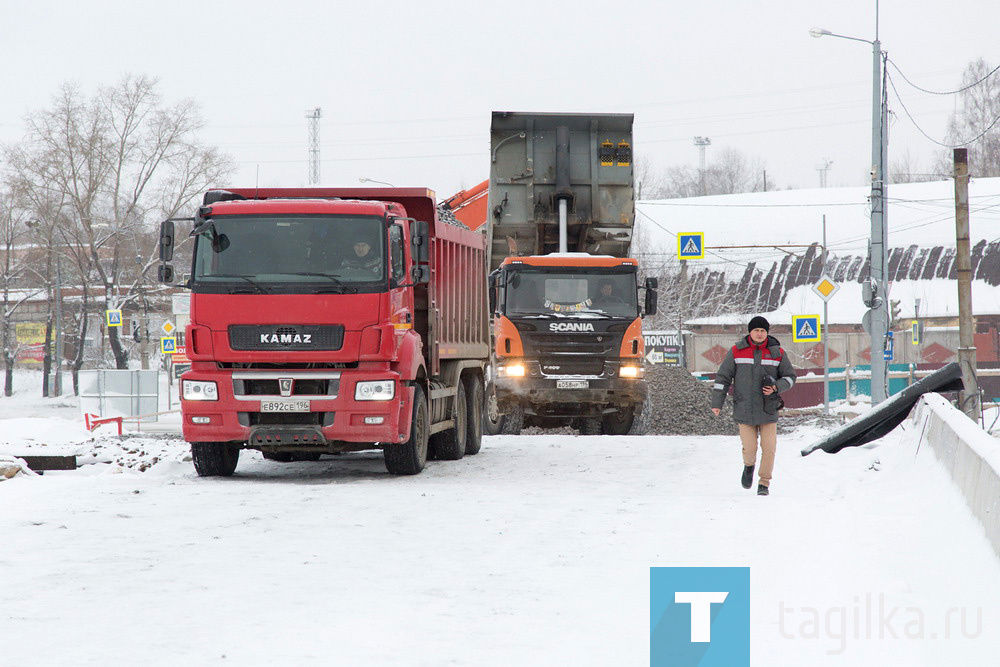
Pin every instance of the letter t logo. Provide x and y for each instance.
(701, 612)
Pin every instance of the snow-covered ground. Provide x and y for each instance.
(536, 551)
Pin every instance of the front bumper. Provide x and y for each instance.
(333, 417)
(544, 396)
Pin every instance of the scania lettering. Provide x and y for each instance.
(571, 326)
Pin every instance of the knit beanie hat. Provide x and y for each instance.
(758, 323)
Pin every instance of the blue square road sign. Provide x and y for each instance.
(805, 329)
(691, 245)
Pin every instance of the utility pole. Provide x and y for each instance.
(702, 143)
(968, 399)
(58, 324)
(314, 117)
(826, 337)
(878, 252)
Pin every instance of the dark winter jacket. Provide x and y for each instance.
(744, 367)
(370, 262)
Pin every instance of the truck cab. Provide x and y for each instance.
(568, 342)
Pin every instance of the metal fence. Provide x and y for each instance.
(120, 393)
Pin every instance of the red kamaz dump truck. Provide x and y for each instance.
(326, 320)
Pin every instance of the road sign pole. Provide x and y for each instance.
(826, 337)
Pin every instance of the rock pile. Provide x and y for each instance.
(678, 404)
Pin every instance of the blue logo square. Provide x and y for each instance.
(699, 616)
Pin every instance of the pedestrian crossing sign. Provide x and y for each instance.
(114, 317)
(691, 245)
(168, 345)
(805, 329)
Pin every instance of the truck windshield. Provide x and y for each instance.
(571, 294)
(276, 253)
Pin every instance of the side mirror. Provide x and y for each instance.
(420, 274)
(652, 283)
(166, 240)
(420, 241)
(651, 297)
(165, 274)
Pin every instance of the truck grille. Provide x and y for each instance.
(253, 385)
(558, 364)
(286, 337)
(547, 343)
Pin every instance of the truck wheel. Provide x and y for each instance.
(450, 445)
(618, 423)
(409, 458)
(493, 421)
(215, 459)
(513, 421)
(280, 457)
(474, 433)
(590, 426)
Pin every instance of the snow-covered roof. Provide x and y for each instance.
(921, 223)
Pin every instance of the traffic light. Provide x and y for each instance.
(894, 311)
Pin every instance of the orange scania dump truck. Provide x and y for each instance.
(564, 294)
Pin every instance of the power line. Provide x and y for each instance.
(929, 137)
(934, 92)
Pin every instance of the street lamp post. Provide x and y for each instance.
(876, 292)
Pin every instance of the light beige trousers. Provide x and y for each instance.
(768, 444)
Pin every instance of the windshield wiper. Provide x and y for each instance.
(260, 288)
(332, 277)
(532, 313)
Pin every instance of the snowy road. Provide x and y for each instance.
(536, 551)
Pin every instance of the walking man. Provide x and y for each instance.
(759, 370)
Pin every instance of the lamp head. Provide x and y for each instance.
(818, 32)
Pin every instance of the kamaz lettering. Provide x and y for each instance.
(286, 338)
(571, 326)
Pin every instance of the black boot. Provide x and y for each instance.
(761, 490)
(747, 479)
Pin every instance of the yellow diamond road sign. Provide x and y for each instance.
(826, 288)
(168, 327)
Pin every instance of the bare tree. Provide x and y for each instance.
(907, 169)
(122, 160)
(14, 265)
(730, 172)
(980, 108)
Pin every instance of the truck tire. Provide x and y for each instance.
(450, 445)
(590, 426)
(410, 457)
(474, 433)
(493, 421)
(618, 423)
(215, 459)
(513, 421)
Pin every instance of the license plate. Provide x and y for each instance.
(284, 406)
(572, 384)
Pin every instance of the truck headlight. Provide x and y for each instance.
(379, 390)
(511, 371)
(195, 390)
(630, 371)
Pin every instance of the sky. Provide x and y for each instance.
(406, 89)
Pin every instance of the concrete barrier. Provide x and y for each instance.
(969, 454)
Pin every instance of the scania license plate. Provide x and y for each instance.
(572, 384)
(284, 406)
